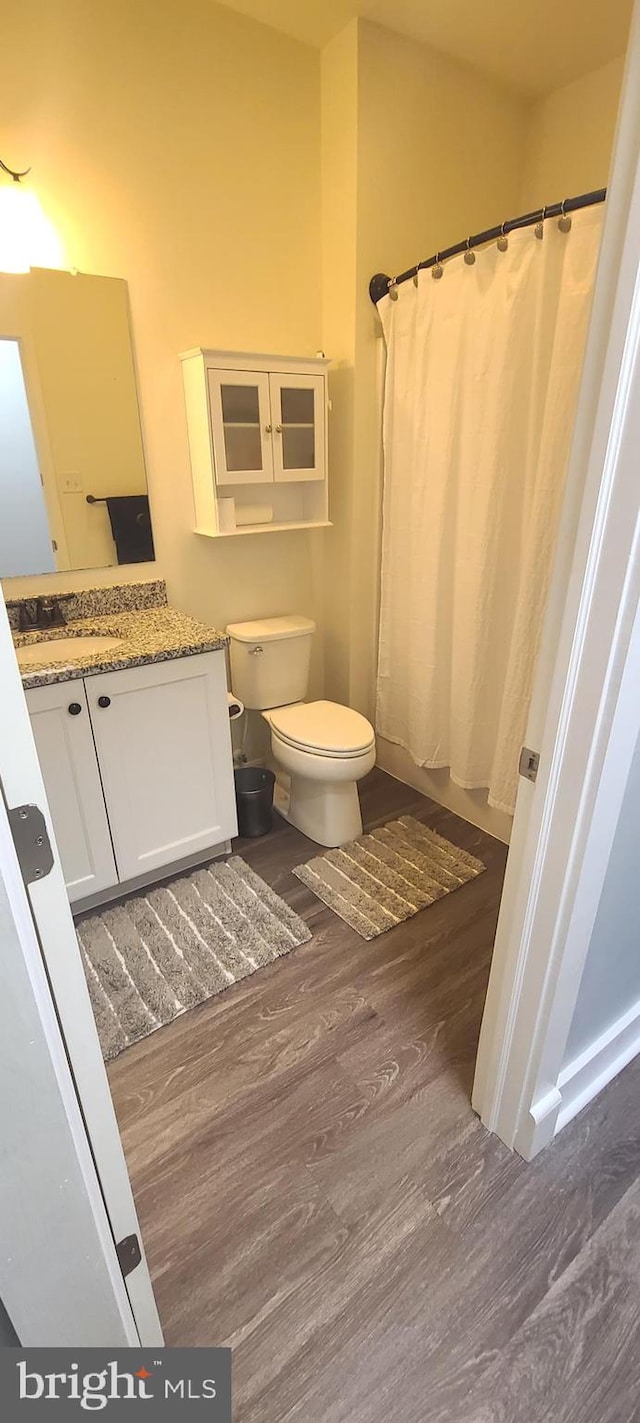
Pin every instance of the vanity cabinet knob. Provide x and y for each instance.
(104, 701)
(74, 708)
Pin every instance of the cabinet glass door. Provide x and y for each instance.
(297, 407)
(241, 426)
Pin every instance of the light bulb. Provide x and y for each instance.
(27, 237)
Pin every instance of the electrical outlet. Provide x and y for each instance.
(71, 484)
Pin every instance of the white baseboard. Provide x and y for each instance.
(585, 1076)
(470, 805)
(579, 1082)
(538, 1127)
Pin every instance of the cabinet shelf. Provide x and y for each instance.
(267, 473)
(264, 528)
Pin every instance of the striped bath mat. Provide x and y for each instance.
(387, 876)
(159, 952)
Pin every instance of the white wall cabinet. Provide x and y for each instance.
(258, 441)
(142, 776)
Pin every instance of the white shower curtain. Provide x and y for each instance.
(483, 368)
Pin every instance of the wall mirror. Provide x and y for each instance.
(73, 489)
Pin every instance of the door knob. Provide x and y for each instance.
(74, 709)
(104, 701)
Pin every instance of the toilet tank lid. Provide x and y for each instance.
(268, 629)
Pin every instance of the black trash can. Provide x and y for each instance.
(254, 799)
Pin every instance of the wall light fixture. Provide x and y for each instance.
(27, 236)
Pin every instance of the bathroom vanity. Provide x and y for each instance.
(133, 740)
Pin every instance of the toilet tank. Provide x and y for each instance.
(270, 661)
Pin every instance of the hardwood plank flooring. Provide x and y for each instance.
(315, 1190)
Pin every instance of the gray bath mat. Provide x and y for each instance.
(385, 877)
(162, 951)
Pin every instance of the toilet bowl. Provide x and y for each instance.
(320, 749)
(324, 749)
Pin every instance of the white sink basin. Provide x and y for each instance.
(63, 649)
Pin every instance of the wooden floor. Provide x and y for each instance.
(315, 1190)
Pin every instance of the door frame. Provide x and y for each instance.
(22, 783)
(584, 718)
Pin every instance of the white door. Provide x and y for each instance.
(164, 749)
(241, 426)
(298, 415)
(62, 732)
(65, 1197)
(59, 1276)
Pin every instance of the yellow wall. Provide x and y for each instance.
(570, 138)
(178, 146)
(429, 149)
(339, 72)
(438, 151)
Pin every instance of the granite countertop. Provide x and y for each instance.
(145, 635)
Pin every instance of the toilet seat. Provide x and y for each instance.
(324, 728)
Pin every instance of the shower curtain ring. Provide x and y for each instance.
(564, 221)
(393, 289)
(503, 240)
(539, 227)
(437, 270)
(469, 256)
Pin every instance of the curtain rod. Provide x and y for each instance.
(380, 284)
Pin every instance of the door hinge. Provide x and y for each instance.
(129, 1254)
(528, 763)
(31, 839)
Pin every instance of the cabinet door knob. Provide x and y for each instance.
(74, 708)
(104, 701)
(278, 429)
(268, 429)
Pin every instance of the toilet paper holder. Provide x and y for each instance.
(236, 707)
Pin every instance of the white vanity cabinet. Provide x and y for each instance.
(258, 441)
(164, 749)
(142, 776)
(64, 742)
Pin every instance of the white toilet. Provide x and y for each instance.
(323, 748)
